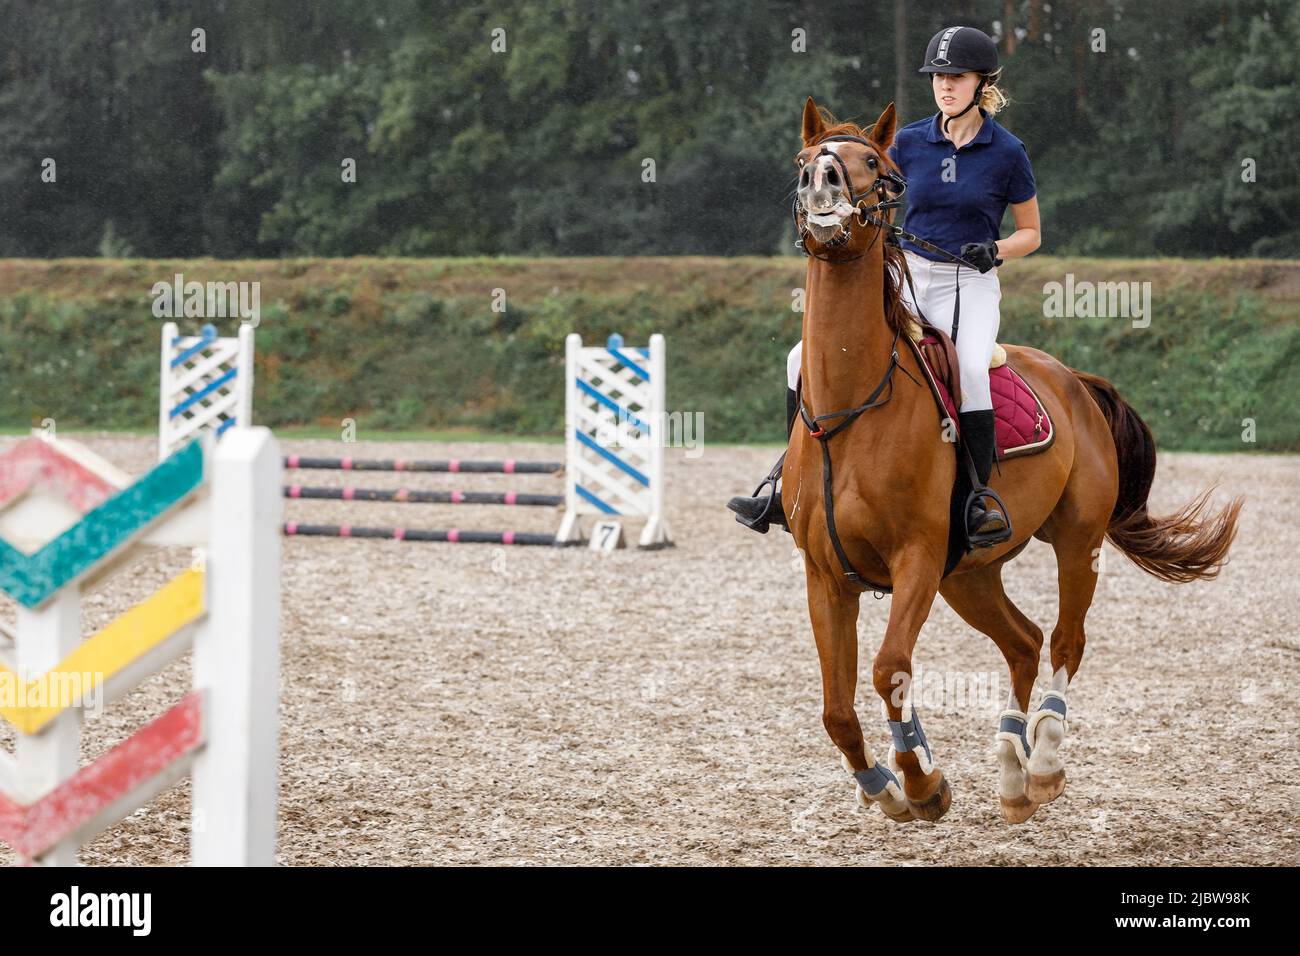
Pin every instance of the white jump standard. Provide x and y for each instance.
(224, 504)
(614, 449)
(206, 383)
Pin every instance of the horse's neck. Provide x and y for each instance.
(846, 341)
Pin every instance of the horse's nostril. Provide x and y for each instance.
(832, 176)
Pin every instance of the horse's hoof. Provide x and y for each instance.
(1044, 788)
(1018, 810)
(934, 806)
(905, 817)
(868, 803)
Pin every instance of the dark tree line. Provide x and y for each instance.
(160, 150)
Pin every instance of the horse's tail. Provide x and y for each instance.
(1185, 546)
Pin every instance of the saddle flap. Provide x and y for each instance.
(941, 355)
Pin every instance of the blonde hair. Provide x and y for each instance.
(992, 99)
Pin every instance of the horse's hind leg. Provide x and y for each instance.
(1077, 549)
(982, 603)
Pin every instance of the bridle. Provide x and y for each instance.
(885, 183)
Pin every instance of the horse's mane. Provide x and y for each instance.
(897, 314)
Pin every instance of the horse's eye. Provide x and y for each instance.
(871, 163)
(801, 160)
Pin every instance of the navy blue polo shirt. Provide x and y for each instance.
(956, 196)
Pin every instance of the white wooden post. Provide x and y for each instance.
(46, 636)
(236, 657)
(244, 384)
(570, 527)
(165, 388)
(655, 532)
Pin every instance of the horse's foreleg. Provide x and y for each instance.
(916, 577)
(834, 613)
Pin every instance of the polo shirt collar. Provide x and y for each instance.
(985, 135)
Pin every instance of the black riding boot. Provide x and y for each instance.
(984, 526)
(762, 511)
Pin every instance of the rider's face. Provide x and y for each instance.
(953, 93)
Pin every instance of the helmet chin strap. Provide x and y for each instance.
(975, 99)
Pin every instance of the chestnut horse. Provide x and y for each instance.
(892, 477)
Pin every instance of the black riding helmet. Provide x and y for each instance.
(957, 50)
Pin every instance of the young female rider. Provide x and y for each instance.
(962, 169)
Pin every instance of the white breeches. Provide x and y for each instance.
(977, 329)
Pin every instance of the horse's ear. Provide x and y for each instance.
(882, 134)
(812, 122)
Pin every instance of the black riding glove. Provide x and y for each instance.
(983, 255)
